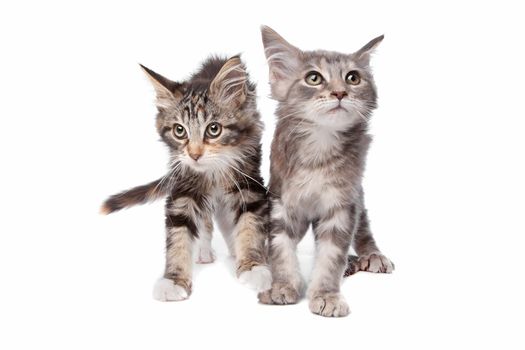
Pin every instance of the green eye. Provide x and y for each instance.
(353, 78)
(313, 78)
(179, 131)
(213, 130)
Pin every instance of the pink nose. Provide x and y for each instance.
(339, 94)
(195, 156)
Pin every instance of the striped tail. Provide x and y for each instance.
(137, 195)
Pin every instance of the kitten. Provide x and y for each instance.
(212, 128)
(317, 160)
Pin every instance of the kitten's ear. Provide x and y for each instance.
(283, 60)
(229, 85)
(169, 93)
(366, 51)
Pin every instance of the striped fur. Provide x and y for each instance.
(209, 175)
(137, 195)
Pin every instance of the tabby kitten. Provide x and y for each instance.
(212, 128)
(317, 161)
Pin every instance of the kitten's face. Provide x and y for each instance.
(200, 134)
(209, 125)
(333, 89)
(327, 88)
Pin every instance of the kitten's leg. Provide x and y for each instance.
(285, 234)
(250, 235)
(333, 237)
(370, 257)
(225, 221)
(181, 229)
(206, 254)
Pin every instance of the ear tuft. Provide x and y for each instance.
(168, 92)
(283, 61)
(366, 51)
(229, 85)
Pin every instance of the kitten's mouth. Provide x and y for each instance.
(338, 108)
(196, 165)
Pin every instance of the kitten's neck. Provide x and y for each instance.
(320, 144)
(302, 129)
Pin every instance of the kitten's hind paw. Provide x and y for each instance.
(280, 294)
(206, 256)
(376, 262)
(329, 305)
(352, 266)
(258, 278)
(166, 290)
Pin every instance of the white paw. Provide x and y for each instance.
(258, 278)
(206, 256)
(166, 290)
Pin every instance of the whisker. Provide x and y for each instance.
(246, 175)
(168, 175)
(289, 115)
(240, 191)
(298, 124)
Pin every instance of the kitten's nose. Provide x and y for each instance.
(195, 156)
(339, 94)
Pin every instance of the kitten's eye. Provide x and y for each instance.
(353, 78)
(179, 131)
(313, 78)
(213, 130)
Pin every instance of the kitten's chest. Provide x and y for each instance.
(316, 191)
(319, 145)
(218, 195)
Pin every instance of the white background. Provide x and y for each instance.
(444, 183)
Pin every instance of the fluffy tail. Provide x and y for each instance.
(137, 195)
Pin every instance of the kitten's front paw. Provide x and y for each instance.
(280, 294)
(166, 290)
(375, 262)
(258, 278)
(329, 305)
(206, 256)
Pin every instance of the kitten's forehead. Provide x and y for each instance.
(194, 103)
(194, 108)
(195, 97)
(329, 60)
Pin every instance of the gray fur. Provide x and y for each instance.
(317, 161)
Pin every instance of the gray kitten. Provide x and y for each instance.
(317, 161)
(212, 128)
